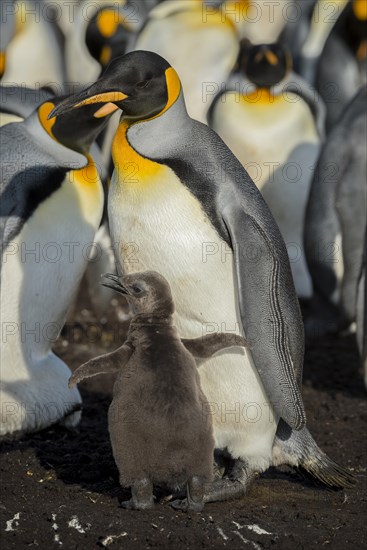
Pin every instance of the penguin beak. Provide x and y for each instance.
(91, 95)
(266, 53)
(118, 286)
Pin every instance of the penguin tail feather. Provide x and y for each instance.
(321, 469)
(299, 449)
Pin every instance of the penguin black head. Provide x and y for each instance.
(147, 292)
(77, 130)
(266, 64)
(108, 34)
(141, 83)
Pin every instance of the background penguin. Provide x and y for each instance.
(268, 123)
(342, 67)
(51, 206)
(258, 20)
(16, 103)
(322, 21)
(297, 26)
(336, 220)
(35, 35)
(195, 215)
(171, 439)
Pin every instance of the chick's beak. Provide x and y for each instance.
(116, 283)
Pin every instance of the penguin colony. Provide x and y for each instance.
(236, 149)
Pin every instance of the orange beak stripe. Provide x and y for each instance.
(271, 58)
(107, 97)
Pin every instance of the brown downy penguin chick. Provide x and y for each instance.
(159, 427)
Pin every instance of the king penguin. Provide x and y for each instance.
(322, 21)
(336, 220)
(51, 206)
(194, 215)
(273, 123)
(35, 34)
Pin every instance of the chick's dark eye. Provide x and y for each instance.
(136, 289)
(142, 84)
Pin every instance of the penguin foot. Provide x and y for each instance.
(225, 489)
(195, 496)
(141, 496)
(180, 504)
(185, 505)
(231, 487)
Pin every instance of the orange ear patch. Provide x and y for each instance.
(43, 112)
(2, 63)
(107, 22)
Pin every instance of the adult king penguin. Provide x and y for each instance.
(271, 120)
(194, 214)
(51, 206)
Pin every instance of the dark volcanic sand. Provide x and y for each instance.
(63, 486)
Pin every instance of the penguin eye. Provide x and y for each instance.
(136, 289)
(142, 84)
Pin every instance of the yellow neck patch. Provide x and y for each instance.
(87, 176)
(105, 55)
(131, 167)
(261, 96)
(43, 112)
